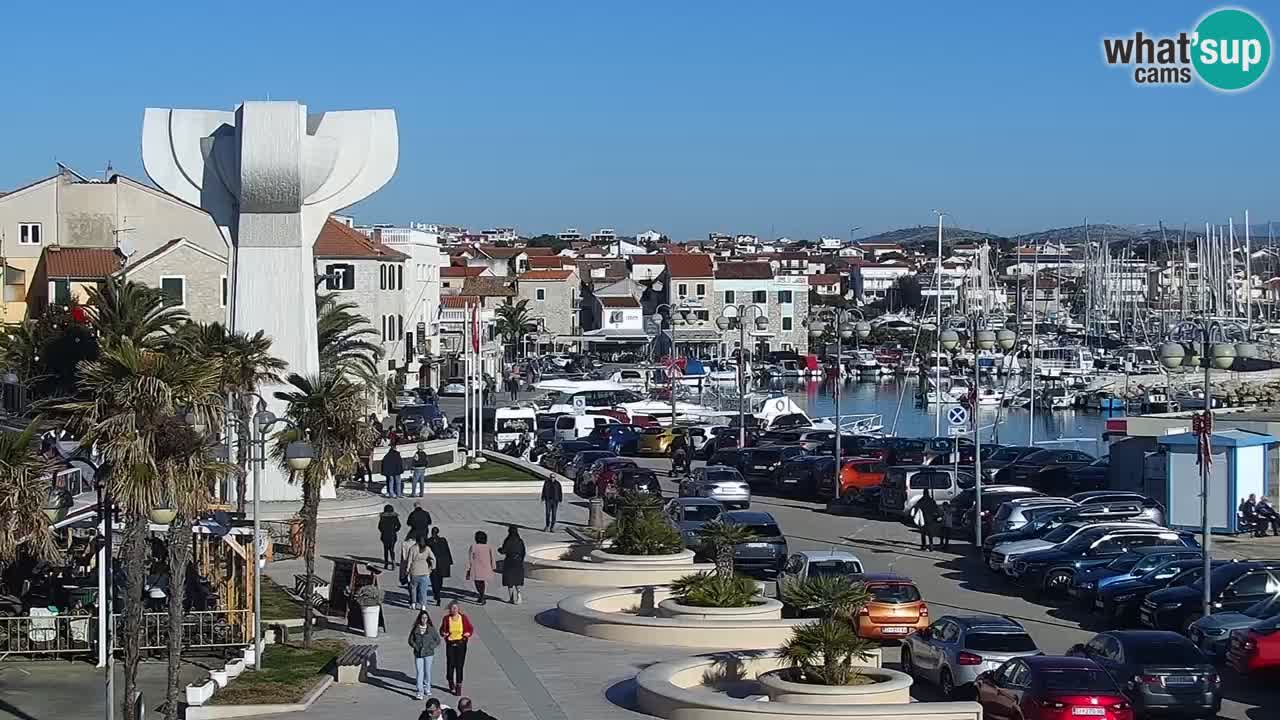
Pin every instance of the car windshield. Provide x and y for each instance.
(701, 513)
(893, 593)
(1061, 534)
(1083, 680)
(1039, 456)
(833, 568)
(999, 642)
(1177, 651)
(1124, 563)
(1008, 454)
(1264, 609)
(766, 456)
(722, 476)
(765, 530)
(1149, 563)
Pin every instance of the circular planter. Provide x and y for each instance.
(761, 609)
(889, 687)
(684, 557)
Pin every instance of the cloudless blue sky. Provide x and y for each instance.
(775, 118)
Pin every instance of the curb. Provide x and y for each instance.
(212, 712)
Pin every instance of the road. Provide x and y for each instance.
(955, 581)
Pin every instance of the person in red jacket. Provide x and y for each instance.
(456, 630)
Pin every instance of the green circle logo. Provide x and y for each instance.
(1232, 49)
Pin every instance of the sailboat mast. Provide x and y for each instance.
(1031, 416)
(1248, 277)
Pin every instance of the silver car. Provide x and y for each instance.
(718, 482)
(956, 649)
(1016, 513)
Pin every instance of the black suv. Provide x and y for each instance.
(1052, 570)
(767, 462)
(1046, 470)
(737, 458)
(1120, 601)
(767, 550)
(1044, 524)
(1232, 587)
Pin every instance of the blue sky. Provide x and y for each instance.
(775, 118)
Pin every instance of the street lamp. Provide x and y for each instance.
(739, 321)
(1217, 350)
(844, 329)
(675, 314)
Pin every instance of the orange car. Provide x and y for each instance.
(896, 609)
(858, 474)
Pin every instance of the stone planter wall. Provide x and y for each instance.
(567, 563)
(763, 609)
(890, 687)
(684, 557)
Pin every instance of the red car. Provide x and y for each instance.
(1255, 648)
(1045, 687)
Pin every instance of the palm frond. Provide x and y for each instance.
(25, 483)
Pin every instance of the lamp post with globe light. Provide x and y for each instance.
(837, 319)
(675, 315)
(738, 320)
(1220, 344)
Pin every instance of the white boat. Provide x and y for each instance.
(990, 397)
(1062, 360)
(1060, 398)
(865, 363)
(631, 378)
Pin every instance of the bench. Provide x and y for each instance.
(354, 664)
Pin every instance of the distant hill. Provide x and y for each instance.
(927, 235)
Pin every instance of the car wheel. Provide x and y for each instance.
(908, 666)
(947, 684)
(1057, 582)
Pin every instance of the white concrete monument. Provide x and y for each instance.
(270, 175)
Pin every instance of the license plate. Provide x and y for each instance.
(1180, 680)
(1089, 711)
(895, 630)
(762, 467)
(757, 546)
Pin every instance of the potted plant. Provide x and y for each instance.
(369, 598)
(641, 530)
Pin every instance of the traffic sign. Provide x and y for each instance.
(957, 431)
(958, 415)
(579, 405)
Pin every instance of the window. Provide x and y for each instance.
(702, 314)
(700, 289)
(786, 323)
(760, 296)
(400, 276)
(728, 297)
(28, 233)
(224, 291)
(784, 296)
(1252, 584)
(399, 326)
(541, 294)
(340, 277)
(384, 328)
(175, 290)
(382, 276)
(61, 292)
(682, 289)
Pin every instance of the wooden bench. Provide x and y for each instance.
(354, 664)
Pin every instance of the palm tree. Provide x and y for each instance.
(24, 489)
(723, 538)
(824, 651)
(513, 321)
(347, 341)
(326, 411)
(126, 309)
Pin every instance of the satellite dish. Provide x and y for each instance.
(124, 246)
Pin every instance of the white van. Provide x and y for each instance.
(572, 427)
(512, 422)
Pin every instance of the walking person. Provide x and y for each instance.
(392, 469)
(455, 628)
(444, 562)
(424, 638)
(928, 509)
(513, 565)
(419, 486)
(481, 564)
(552, 495)
(389, 531)
(415, 567)
(419, 522)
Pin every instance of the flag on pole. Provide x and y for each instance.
(475, 327)
(1202, 426)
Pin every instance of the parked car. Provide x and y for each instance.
(603, 476)
(657, 440)
(816, 563)
(719, 482)
(1050, 687)
(1014, 513)
(639, 479)
(895, 609)
(575, 468)
(953, 519)
(903, 487)
(991, 502)
(956, 649)
(1004, 555)
(1046, 470)
(906, 451)
(1004, 457)
(805, 476)
(1120, 602)
(700, 435)
(1213, 634)
(767, 550)
(1234, 586)
(1151, 510)
(737, 458)
(1159, 671)
(1256, 648)
(721, 437)
(1053, 519)
(574, 427)
(1135, 562)
(1091, 477)
(1051, 571)
(859, 474)
(621, 438)
(767, 462)
(688, 515)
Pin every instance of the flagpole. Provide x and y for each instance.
(1206, 458)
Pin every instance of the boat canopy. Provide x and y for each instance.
(574, 386)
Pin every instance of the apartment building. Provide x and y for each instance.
(422, 287)
(782, 299)
(553, 297)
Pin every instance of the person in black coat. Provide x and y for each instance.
(444, 561)
(512, 551)
(388, 529)
(552, 495)
(928, 509)
(419, 521)
(393, 470)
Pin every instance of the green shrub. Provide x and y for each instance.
(641, 528)
(823, 652)
(715, 590)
